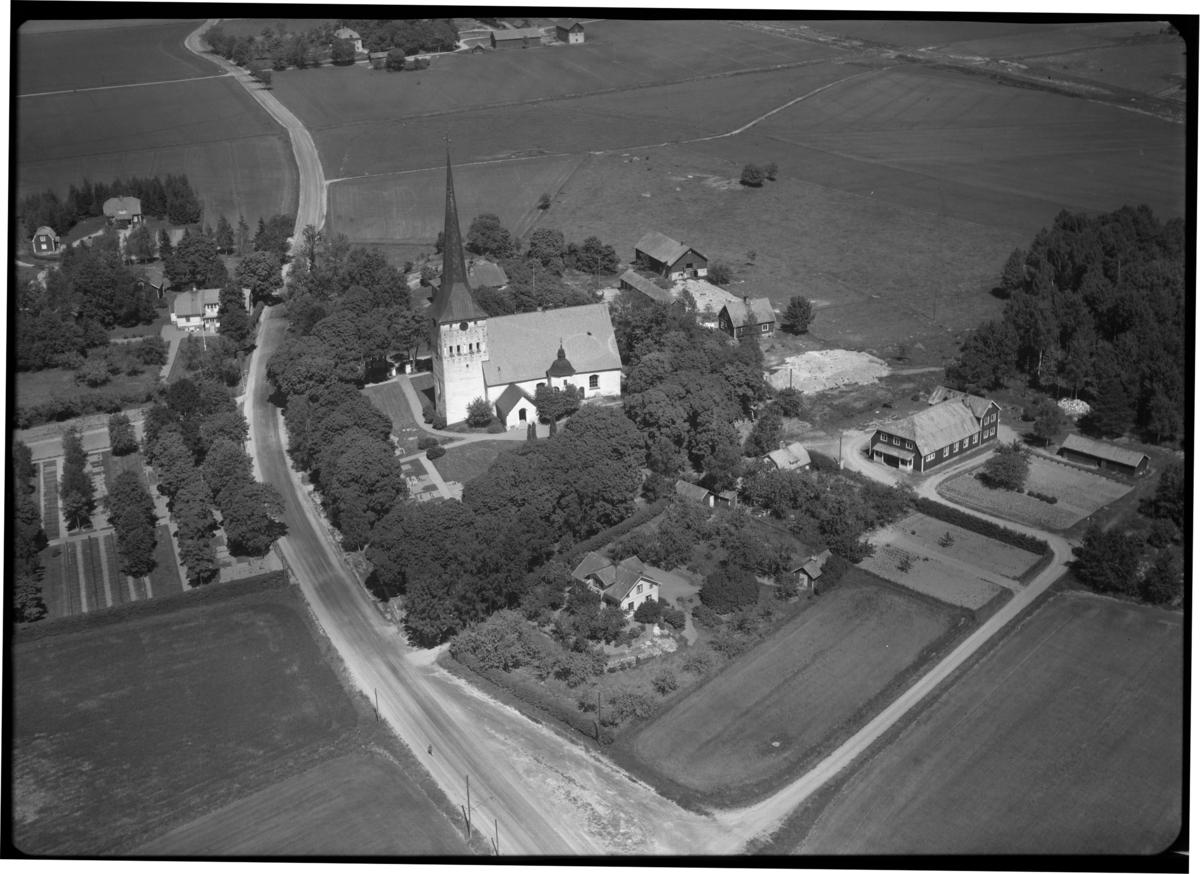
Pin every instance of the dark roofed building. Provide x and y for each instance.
(937, 434)
(809, 572)
(669, 258)
(570, 32)
(486, 274)
(747, 316)
(517, 38)
(1104, 456)
(693, 492)
(631, 280)
(45, 241)
(626, 584)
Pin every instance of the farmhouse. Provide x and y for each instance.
(123, 211)
(791, 457)
(196, 310)
(809, 572)
(477, 356)
(631, 280)
(669, 258)
(941, 432)
(517, 38)
(352, 35)
(625, 585)
(45, 241)
(709, 299)
(746, 316)
(692, 492)
(571, 33)
(1104, 456)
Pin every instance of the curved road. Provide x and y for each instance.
(549, 795)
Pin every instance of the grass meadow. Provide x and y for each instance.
(772, 710)
(125, 732)
(73, 59)
(390, 399)
(39, 386)
(464, 463)
(1065, 738)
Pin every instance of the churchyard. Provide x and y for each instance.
(1076, 712)
(179, 744)
(1079, 494)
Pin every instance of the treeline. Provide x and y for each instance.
(28, 539)
(309, 48)
(457, 563)
(172, 198)
(76, 492)
(195, 439)
(1097, 308)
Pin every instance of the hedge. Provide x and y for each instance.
(187, 599)
(63, 408)
(607, 536)
(535, 695)
(957, 517)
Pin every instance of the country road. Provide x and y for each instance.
(549, 795)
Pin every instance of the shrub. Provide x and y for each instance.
(954, 516)
(729, 588)
(752, 175)
(496, 427)
(1007, 468)
(698, 663)
(677, 619)
(426, 442)
(438, 422)
(706, 616)
(479, 413)
(719, 273)
(648, 612)
(428, 413)
(627, 704)
(435, 452)
(729, 643)
(665, 682)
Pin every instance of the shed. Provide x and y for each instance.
(693, 492)
(377, 59)
(570, 32)
(791, 457)
(809, 572)
(631, 280)
(670, 258)
(45, 241)
(515, 407)
(1103, 456)
(517, 38)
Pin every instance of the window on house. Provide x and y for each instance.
(974, 439)
(639, 591)
(766, 327)
(945, 451)
(593, 381)
(908, 444)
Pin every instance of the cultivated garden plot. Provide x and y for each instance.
(929, 576)
(1079, 495)
(970, 547)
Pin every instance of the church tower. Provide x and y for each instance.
(458, 327)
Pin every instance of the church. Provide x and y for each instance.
(505, 359)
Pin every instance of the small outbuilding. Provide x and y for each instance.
(1103, 456)
(631, 280)
(669, 258)
(377, 60)
(748, 316)
(515, 407)
(45, 241)
(791, 457)
(809, 572)
(571, 33)
(693, 492)
(123, 211)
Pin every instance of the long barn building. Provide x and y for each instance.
(939, 434)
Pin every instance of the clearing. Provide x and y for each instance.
(766, 715)
(461, 464)
(1066, 738)
(1079, 494)
(121, 56)
(125, 706)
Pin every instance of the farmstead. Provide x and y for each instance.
(930, 437)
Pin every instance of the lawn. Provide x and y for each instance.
(1067, 738)
(49, 490)
(1079, 495)
(164, 579)
(234, 154)
(349, 806)
(124, 733)
(121, 56)
(390, 399)
(115, 465)
(461, 464)
(760, 720)
(39, 386)
(968, 546)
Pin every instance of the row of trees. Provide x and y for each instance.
(172, 198)
(753, 175)
(28, 539)
(132, 516)
(303, 49)
(76, 491)
(1096, 307)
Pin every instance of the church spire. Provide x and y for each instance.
(454, 301)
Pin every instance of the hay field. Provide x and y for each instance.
(1150, 67)
(52, 61)
(1067, 738)
(235, 156)
(127, 731)
(968, 546)
(411, 207)
(917, 34)
(775, 704)
(1029, 45)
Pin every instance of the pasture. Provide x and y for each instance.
(765, 716)
(915, 34)
(128, 731)
(617, 55)
(1065, 738)
(1079, 494)
(350, 806)
(1150, 67)
(234, 154)
(118, 56)
(461, 464)
(411, 207)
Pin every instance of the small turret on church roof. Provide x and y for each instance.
(561, 366)
(453, 301)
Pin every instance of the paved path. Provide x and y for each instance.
(174, 337)
(414, 401)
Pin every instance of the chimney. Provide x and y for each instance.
(746, 299)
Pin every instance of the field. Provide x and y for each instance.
(930, 574)
(1079, 495)
(39, 386)
(1067, 738)
(917, 34)
(761, 717)
(410, 207)
(461, 464)
(390, 399)
(235, 156)
(1149, 67)
(343, 807)
(126, 732)
(617, 54)
(121, 56)
(254, 26)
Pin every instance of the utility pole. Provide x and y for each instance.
(376, 705)
(841, 439)
(496, 842)
(468, 776)
(597, 714)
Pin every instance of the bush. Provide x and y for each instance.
(729, 588)
(719, 273)
(665, 682)
(439, 422)
(435, 452)
(752, 175)
(677, 619)
(706, 616)
(496, 427)
(479, 413)
(729, 643)
(648, 612)
(627, 704)
(831, 574)
(698, 663)
(957, 517)
(426, 442)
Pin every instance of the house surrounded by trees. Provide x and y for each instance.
(747, 317)
(935, 435)
(123, 211)
(196, 310)
(625, 584)
(670, 258)
(45, 241)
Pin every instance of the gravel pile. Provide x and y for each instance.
(817, 371)
(1074, 408)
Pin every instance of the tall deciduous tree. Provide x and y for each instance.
(1107, 561)
(752, 175)
(121, 436)
(1048, 421)
(259, 272)
(988, 358)
(131, 512)
(1008, 466)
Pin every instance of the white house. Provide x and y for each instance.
(347, 33)
(197, 310)
(626, 584)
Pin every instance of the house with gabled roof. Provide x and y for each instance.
(748, 316)
(196, 310)
(517, 38)
(809, 572)
(570, 32)
(352, 35)
(45, 241)
(123, 211)
(791, 457)
(631, 280)
(627, 584)
(668, 257)
(936, 435)
(1103, 456)
(692, 492)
